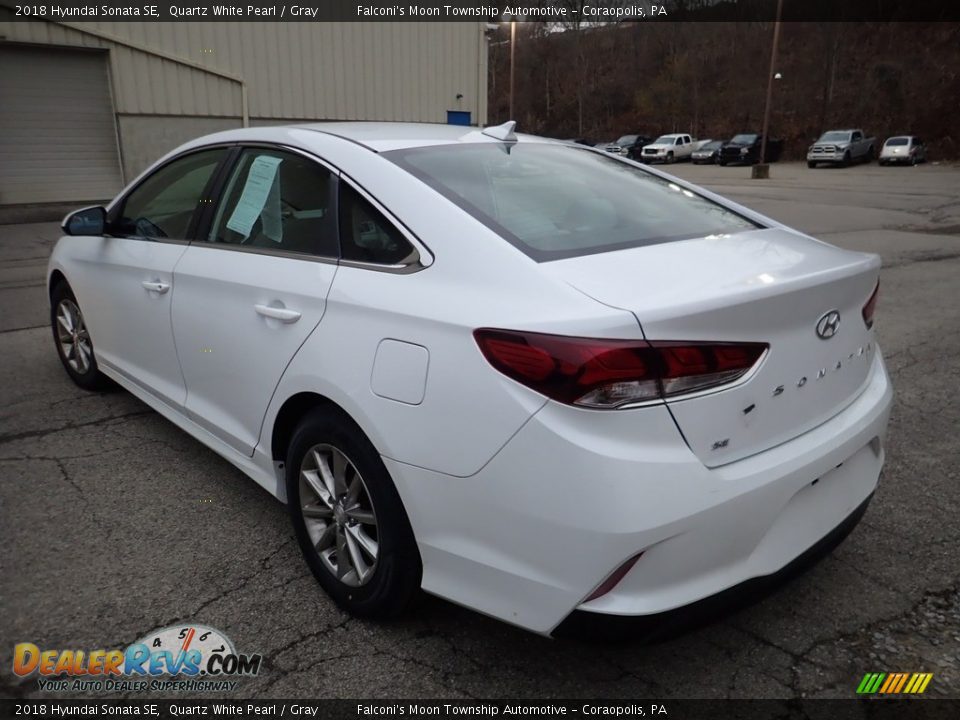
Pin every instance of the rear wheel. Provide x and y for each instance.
(348, 517)
(72, 337)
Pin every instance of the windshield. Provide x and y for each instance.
(627, 140)
(835, 136)
(665, 140)
(898, 141)
(560, 201)
(745, 139)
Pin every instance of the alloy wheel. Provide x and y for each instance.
(339, 515)
(73, 336)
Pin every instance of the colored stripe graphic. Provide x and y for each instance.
(894, 683)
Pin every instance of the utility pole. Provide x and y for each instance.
(513, 51)
(763, 169)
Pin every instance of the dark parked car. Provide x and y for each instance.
(708, 153)
(745, 149)
(629, 145)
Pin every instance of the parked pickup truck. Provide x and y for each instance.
(669, 148)
(842, 147)
(744, 148)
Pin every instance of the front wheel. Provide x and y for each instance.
(348, 518)
(669, 158)
(811, 164)
(846, 160)
(72, 337)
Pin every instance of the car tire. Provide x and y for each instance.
(348, 517)
(73, 341)
(669, 158)
(811, 164)
(871, 154)
(846, 160)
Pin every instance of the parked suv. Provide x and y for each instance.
(629, 145)
(745, 148)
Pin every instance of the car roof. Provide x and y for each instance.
(383, 136)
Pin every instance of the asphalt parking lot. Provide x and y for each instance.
(115, 523)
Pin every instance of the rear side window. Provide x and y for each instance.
(366, 235)
(560, 201)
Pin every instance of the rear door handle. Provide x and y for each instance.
(155, 286)
(278, 313)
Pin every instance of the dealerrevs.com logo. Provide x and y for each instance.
(179, 658)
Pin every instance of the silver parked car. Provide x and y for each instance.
(906, 149)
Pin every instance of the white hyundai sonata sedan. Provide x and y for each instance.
(527, 376)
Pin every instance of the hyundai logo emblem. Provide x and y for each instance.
(828, 325)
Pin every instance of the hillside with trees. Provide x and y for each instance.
(709, 79)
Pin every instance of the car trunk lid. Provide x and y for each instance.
(772, 286)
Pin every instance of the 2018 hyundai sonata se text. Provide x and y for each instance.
(524, 375)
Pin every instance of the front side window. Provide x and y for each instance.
(275, 200)
(559, 201)
(163, 205)
(367, 236)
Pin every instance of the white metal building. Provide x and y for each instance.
(86, 106)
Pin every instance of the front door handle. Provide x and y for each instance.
(278, 313)
(155, 286)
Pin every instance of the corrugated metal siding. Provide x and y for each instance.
(347, 71)
(58, 137)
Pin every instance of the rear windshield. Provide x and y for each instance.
(898, 141)
(560, 201)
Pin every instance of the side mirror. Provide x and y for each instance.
(87, 221)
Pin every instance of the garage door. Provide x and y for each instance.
(58, 140)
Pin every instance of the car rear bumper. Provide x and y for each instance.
(576, 493)
(667, 624)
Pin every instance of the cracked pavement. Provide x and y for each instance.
(116, 523)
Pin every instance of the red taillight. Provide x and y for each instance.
(871, 306)
(609, 373)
